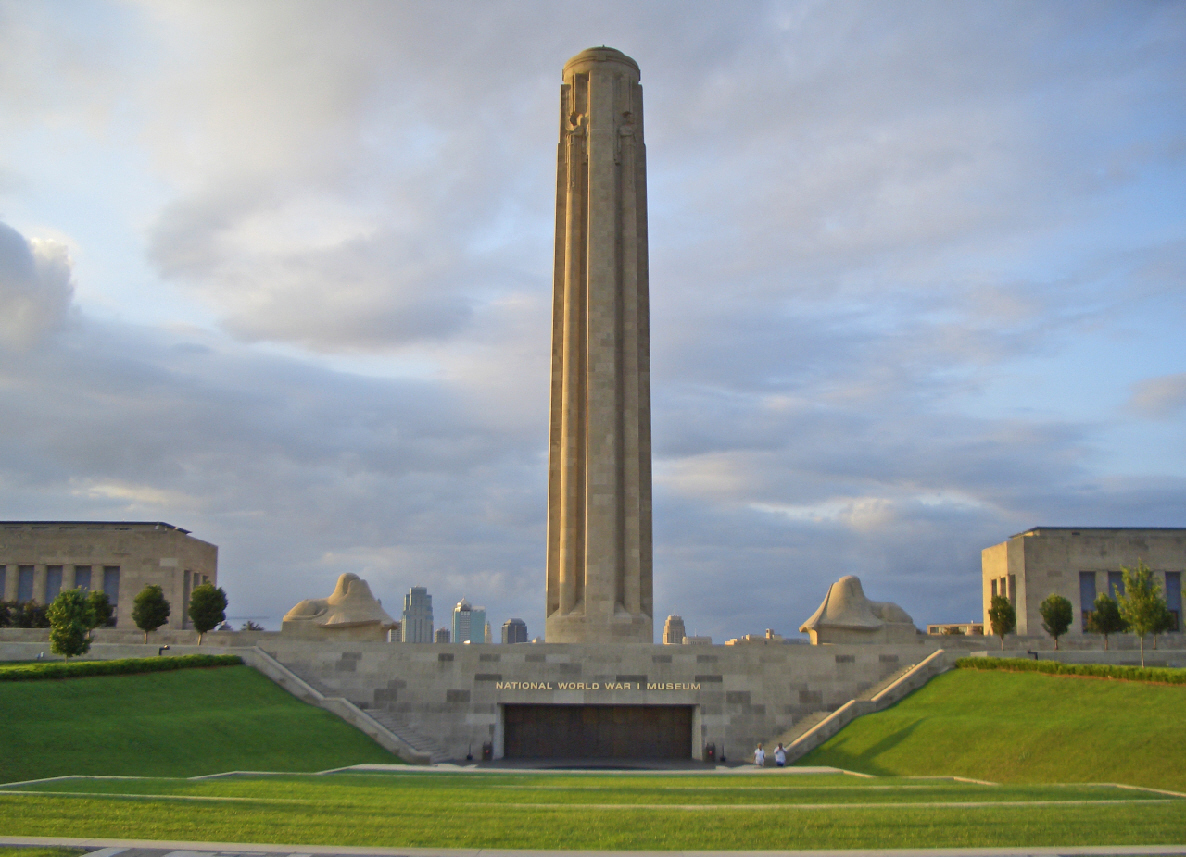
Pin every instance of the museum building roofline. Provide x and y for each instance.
(1074, 531)
(153, 524)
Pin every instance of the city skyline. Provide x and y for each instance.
(282, 276)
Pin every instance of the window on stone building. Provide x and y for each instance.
(1173, 597)
(3, 581)
(82, 577)
(186, 589)
(111, 588)
(1115, 584)
(24, 583)
(1012, 591)
(1086, 596)
(53, 582)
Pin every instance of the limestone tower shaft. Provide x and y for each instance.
(599, 466)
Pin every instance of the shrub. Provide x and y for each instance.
(1105, 618)
(1154, 675)
(207, 608)
(1057, 614)
(101, 604)
(30, 614)
(71, 619)
(124, 666)
(1002, 617)
(150, 610)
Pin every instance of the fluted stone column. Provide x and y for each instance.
(599, 467)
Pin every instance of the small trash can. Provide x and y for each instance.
(487, 751)
(710, 753)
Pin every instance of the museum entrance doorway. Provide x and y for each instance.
(597, 731)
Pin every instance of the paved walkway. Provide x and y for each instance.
(152, 848)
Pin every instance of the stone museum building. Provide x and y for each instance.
(1077, 563)
(38, 559)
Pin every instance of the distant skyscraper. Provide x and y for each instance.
(674, 631)
(417, 616)
(489, 637)
(469, 623)
(514, 631)
(442, 635)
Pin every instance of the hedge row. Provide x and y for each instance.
(1159, 675)
(123, 666)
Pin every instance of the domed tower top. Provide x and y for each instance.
(602, 54)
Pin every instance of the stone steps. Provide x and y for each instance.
(407, 733)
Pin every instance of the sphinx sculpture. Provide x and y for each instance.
(351, 612)
(847, 616)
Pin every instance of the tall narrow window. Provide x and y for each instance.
(53, 582)
(1173, 597)
(1086, 595)
(994, 588)
(24, 583)
(3, 582)
(1115, 584)
(186, 589)
(111, 588)
(82, 577)
(1012, 589)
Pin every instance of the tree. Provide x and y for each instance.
(101, 604)
(207, 607)
(150, 610)
(1164, 623)
(1105, 618)
(71, 618)
(1141, 605)
(1002, 617)
(1057, 615)
(30, 614)
(5, 614)
(251, 626)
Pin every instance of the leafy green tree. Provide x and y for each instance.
(71, 618)
(1001, 617)
(207, 608)
(30, 614)
(5, 614)
(150, 610)
(1057, 615)
(1105, 618)
(101, 604)
(1164, 623)
(1141, 605)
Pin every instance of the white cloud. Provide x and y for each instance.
(35, 288)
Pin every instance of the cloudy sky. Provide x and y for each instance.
(280, 273)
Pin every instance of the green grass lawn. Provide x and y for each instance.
(1022, 728)
(183, 723)
(593, 811)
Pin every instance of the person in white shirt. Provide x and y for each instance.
(759, 756)
(780, 756)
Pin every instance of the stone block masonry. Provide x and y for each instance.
(454, 695)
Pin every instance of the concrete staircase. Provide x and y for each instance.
(364, 721)
(399, 726)
(817, 728)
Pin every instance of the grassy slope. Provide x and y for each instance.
(1022, 728)
(184, 723)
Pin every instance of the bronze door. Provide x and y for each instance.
(597, 731)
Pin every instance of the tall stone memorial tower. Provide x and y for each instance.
(599, 465)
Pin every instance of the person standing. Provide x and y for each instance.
(759, 756)
(780, 756)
